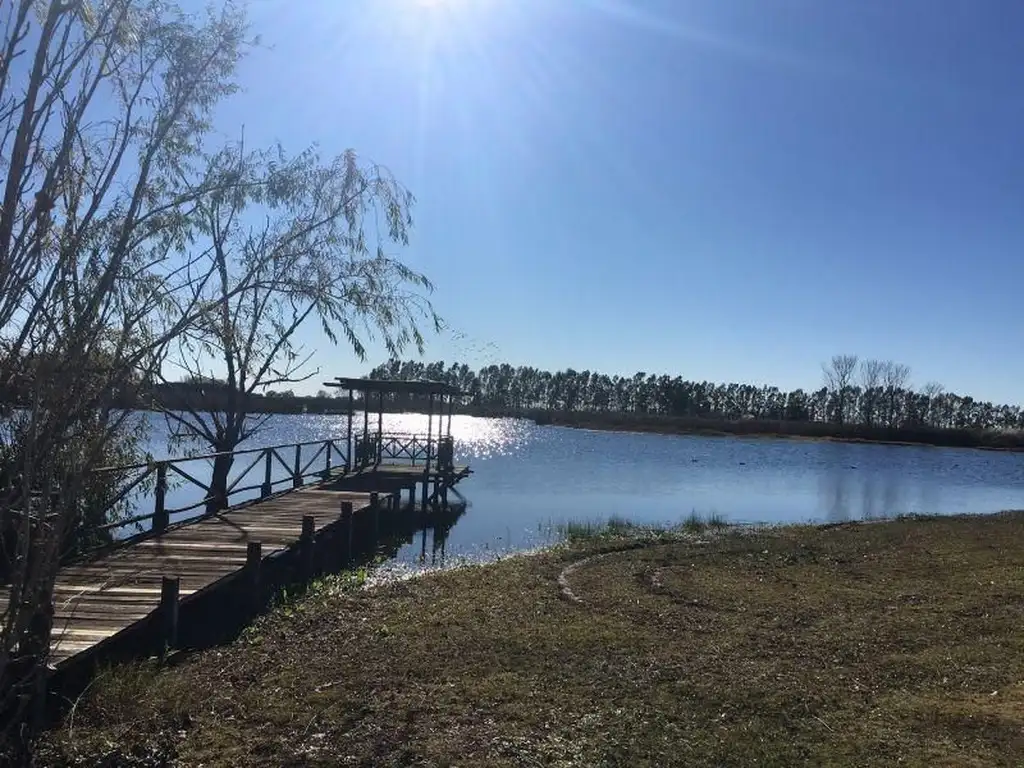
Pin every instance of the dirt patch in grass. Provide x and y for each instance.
(871, 644)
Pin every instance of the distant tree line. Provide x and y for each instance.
(870, 393)
(204, 395)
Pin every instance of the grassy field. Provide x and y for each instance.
(853, 645)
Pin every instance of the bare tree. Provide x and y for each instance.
(293, 249)
(838, 373)
(932, 391)
(103, 106)
(895, 377)
(870, 382)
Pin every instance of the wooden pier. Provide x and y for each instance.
(338, 501)
(143, 586)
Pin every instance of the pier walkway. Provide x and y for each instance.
(146, 583)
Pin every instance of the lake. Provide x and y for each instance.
(527, 479)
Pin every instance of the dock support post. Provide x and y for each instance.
(346, 533)
(412, 495)
(375, 508)
(306, 546)
(160, 517)
(253, 563)
(426, 488)
(170, 589)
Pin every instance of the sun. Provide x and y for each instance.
(443, 5)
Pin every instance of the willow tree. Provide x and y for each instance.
(104, 105)
(296, 242)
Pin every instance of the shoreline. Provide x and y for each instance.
(811, 431)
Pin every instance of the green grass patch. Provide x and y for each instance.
(576, 531)
(616, 527)
(844, 645)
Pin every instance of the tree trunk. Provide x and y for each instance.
(218, 493)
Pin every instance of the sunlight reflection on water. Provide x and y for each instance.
(476, 437)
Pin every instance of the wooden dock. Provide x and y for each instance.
(125, 590)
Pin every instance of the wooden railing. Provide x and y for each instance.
(372, 448)
(298, 464)
(266, 470)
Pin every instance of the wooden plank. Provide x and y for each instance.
(68, 648)
(112, 591)
(95, 633)
(101, 619)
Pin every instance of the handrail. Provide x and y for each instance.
(305, 467)
(245, 451)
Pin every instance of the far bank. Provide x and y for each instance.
(618, 421)
(859, 433)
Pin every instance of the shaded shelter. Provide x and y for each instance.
(371, 447)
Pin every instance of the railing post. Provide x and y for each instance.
(253, 564)
(268, 487)
(430, 428)
(297, 471)
(349, 449)
(306, 545)
(327, 464)
(160, 517)
(170, 588)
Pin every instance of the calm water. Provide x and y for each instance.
(527, 479)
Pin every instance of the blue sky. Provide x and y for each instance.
(724, 189)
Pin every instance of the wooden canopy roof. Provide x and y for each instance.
(396, 386)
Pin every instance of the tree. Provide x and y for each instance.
(932, 391)
(870, 381)
(895, 377)
(308, 259)
(838, 378)
(103, 108)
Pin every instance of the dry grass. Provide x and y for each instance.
(873, 644)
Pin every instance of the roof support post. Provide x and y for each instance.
(348, 438)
